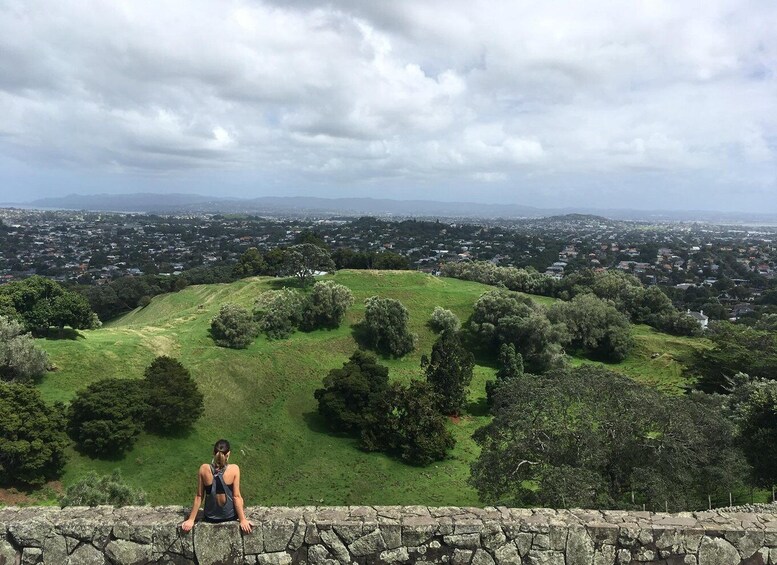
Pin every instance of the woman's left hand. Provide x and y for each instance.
(246, 526)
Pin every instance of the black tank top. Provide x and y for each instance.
(213, 510)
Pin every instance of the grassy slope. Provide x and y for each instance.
(262, 400)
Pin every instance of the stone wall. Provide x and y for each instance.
(365, 535)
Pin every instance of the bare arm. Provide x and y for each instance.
(189, 523)
(245, 525)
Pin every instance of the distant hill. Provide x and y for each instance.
(315, 206)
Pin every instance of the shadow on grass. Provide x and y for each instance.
(289, 282)
(57, 334)
(317, 424)
(478, 408)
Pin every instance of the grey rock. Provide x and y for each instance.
(170, 538)
(482, 557)
(417, 534)
(86, 555)
(492, 536)
(335, 545)
(277, 535)
(311, 534)
(253, 543)
(541, 541)
(396, 555)
(319, 555)
(7, 553)
(580, 547)
(218, 544)
(30, 533)
(123, 552)
(623, 557)
(558, 537)
(298, 539)
(392, 535)
(507, 554)
(31, 555)
(370, 544)
(604, 555)
(467, 541)
(462, 556)
(523, 543)
(717, 551)
(545, 558)
(349, 532)
(747, 542)
(274, 558)
(54, 550)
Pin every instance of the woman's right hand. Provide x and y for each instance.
(187, 525)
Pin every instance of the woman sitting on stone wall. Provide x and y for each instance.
(219, 482)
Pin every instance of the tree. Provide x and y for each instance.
(602, 436)
(595, 326)
(32, 436)
(105, 418)
(352, 393)
(39, 303)
(326, 305)
(510, 367)
(421, 435)
(449, 372)
(753, 405)
(20, 359)
(279, 312)
(250, 264)
(174, 400)
(444, 320)
(500, 316)
(732, 353)
(386, 326)
(233, 327)
(71, 309)
(304, 260)
(95, 490)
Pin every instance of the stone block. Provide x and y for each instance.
(507, 554)
(86, 554)
(482, 557)
(123, 552)
(467, 541)
(370, 544)
(218, 544)
(274, 558)
(277, 535)
(335, 545)
(717, 551)
(396, 555)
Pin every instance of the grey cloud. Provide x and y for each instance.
(429, 94)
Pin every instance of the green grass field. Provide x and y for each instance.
(261, 398)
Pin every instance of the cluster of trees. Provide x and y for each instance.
(38, 304)
(405, 420)
(279, 313)
(33, 439)
(302, 261)
(538, 334)
(643, 305)
(649, 306)
(20, 359)
(358, 400)
(520, 280)
(126, 293)
(105, 418)
(385, 327)
(591, 438)
(736, 349)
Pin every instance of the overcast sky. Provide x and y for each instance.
(641, 104)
